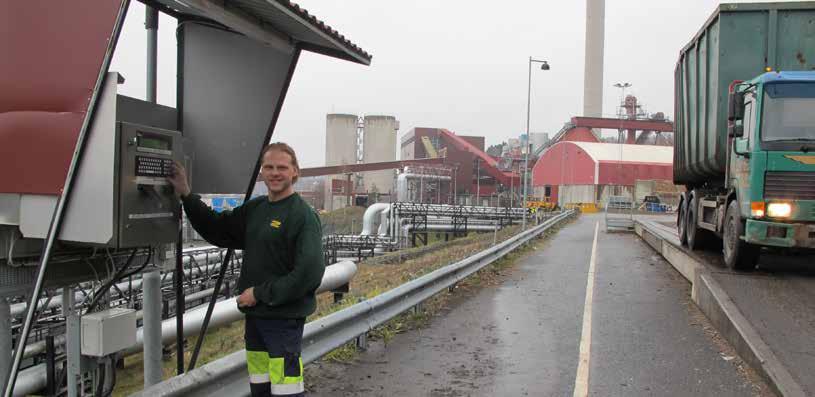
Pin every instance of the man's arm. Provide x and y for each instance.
(226, 229)
(308, 268)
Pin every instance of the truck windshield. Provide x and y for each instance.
(789, 112)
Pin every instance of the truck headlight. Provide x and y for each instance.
(779, 210)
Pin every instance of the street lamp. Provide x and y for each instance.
(622, 87)
(544, 66)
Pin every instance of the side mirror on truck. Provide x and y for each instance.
(735, 130)
(736, 106)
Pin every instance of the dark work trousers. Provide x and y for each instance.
(273, 356)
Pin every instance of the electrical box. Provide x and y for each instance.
(107, 332)
(120, 197)
(148, 209)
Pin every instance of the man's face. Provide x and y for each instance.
(277, 171)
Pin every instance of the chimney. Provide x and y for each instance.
(593, 77)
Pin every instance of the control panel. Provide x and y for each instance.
(148, 209)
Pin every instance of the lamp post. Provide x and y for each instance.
(622, 87)
(544, 66)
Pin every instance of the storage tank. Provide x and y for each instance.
(738, 42)
(379, 144)
(340, 139)
(340, 149)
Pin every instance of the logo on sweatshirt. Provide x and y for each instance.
(276, 224)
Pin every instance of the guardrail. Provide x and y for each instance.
(227, 376)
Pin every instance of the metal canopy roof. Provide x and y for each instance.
(272, 21)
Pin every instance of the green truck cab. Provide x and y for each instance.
(745, 150)
(773, 158)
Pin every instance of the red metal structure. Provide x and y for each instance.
(42, 111)
(352, 168)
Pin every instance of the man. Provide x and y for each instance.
(281, 239)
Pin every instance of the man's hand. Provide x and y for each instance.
(247, 298)
(179, 180)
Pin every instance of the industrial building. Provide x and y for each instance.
(588, 172)
(351, 139)
(478, 178)
(379, 145)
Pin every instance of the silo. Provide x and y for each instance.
(340, 149)
(379, 144)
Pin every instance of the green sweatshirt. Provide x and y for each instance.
(282, 250)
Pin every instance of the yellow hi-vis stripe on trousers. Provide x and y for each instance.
(282, 384)
(258, 363)
(265, 369)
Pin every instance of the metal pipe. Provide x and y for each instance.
(38, 347)
(447, 227)
(151, 25)
(5, 340)
(153, 368)
(370, 216)
(18, 309)
(30, 381)
(179, 298)
(210, 308)
(72, 348)
(384, 221)
(226, 311)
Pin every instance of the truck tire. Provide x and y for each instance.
(738, 255)
(682, 220)
(698, 238)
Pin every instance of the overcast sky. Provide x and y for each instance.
(457, 64)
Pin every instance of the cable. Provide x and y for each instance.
(112, 363)
(146, 262)
(101, 291)
(12, 240)
(100, 385)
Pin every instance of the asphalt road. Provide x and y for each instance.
(778, 299)
(528, 335)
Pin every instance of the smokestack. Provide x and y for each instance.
(593, 77)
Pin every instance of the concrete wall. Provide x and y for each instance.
(379, 144)
(569, 194)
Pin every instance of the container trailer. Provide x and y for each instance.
(745, 131)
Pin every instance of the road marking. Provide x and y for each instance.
(581, 382)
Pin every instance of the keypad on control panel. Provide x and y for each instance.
(153, 166)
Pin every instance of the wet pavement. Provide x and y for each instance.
(778, 299)
(523, 337)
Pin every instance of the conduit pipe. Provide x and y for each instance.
(384, 221)
(38, 347)
(33, 379)
(18, 309)
(370, 216)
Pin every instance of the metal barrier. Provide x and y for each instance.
(619, 213)
(227, 376)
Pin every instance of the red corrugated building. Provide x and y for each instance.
(587, 172)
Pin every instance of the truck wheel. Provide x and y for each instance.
(698, 238)
(681, 220)
(738, 255)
